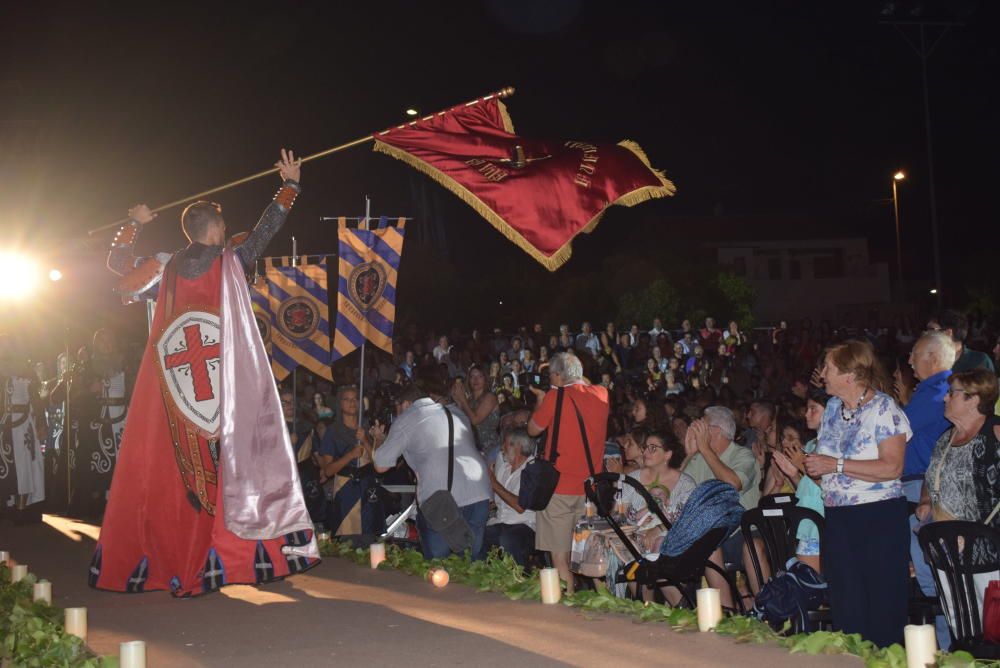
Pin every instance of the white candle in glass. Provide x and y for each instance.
(551, 590)
(709, 609)
(377, 551)
(43, 591)
(132, 654)
(76, 622)
(18, 573)
(439, 577)
(4, 557)
(921, 645)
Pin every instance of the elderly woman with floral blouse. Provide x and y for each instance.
(859, 457)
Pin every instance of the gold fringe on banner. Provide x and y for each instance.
(559, 258)
(508, 124)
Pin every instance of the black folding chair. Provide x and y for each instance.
(777, 501)
(684, 571)
(777, 528)
(963, 557)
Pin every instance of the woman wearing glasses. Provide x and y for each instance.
(957, 485)
(859, 458)
(960, 482)
(661, 475)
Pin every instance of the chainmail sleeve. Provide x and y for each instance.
(270, 222)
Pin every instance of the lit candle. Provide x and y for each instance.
(18, 573)
(438, 576)
(132, 654)
(323, 536)
(709, 609)
(589, 509)
(377, 551)
(921, 645)
(76, 622)
(551, 589)
(43, 591)
(4, 557)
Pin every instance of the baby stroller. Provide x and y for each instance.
(684, 569)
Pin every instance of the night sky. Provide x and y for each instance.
(773, 119)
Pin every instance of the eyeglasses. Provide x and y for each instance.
(651, 447)
(954, 390)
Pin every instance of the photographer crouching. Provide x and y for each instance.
(571, 403)
(436, 439)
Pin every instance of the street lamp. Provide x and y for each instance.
(896, 178)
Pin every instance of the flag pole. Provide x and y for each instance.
(361, 383)
(364, 341)
(503, 93)
(295, 369)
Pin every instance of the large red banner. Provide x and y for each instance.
(538, 193)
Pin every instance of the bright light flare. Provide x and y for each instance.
(55, 275)
(899, 176)
(18, 276)
(412, 112)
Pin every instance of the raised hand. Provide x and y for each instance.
(816, 379)
(785, 465)
(377, 433)
(288, 166)
(795, 455)
(141, 214)
(458, 392)
(699, 434)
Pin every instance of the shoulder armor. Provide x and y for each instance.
(147, 274)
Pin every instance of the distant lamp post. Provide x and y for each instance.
(896, 178)
(412, 112)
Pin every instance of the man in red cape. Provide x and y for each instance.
(192, 507)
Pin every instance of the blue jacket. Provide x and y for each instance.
(926, 415)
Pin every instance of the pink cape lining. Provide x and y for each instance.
(260, 478)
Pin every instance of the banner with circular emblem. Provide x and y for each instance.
(291, 308)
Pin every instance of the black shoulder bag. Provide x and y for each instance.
(539, 476)
(441, 510)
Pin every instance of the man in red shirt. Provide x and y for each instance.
(711, 336)
(554, 525)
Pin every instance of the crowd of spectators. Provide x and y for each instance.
(853, 422)
(849, 421)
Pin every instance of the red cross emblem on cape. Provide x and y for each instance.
(188, 353)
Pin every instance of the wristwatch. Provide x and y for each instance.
(840, 465)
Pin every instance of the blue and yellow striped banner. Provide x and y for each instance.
(366, 299)
(291, 305)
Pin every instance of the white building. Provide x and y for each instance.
(817, 278)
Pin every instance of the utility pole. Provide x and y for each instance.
(924, 48)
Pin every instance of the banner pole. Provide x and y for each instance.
(364, 341)
(295, 369)
(506, 92)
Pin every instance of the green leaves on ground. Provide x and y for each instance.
(501, 574)
(32, 634)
